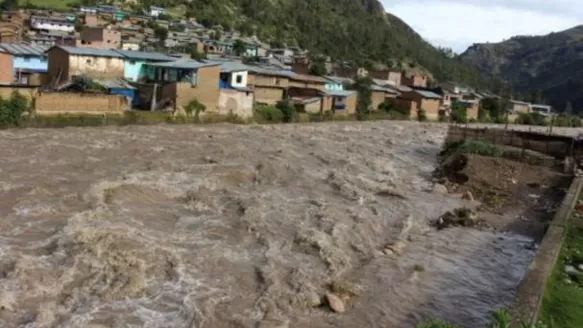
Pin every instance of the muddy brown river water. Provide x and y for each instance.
(239, 226)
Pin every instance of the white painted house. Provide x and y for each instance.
(44, 23)
(157, 11)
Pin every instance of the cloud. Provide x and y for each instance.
(457, 24)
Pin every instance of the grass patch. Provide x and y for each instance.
(563, 300)
(59, 5)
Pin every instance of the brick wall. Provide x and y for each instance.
(240, 103)
(6, 74)
(431, 108)
(96, 67)
(206, 90)
(78, 103)
(268, 95)
(377, 98)
(351, 103)
(29, 92)
(269, 81)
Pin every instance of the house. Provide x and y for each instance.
(380, 94)
(392, 77)
(337, 98)
(280, 52)
(270, 85)
(306, 92)
(157, 11)
(91, 20)
(472, 107)
(349, 72)
(129, 45)
(515, 107)
(51, 40)
(217, 47)
(19, 63)
(303, 81)
(100, 37)
(135, 60)
(413, 101)
(181, 82)
(544, 110)
(235, 96)
(414, 80)
(66, 62)
(119, 87)
(106, 8)
(88, 10)
(51, 24)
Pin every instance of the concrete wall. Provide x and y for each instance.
(240, 103)
(96, 67)
(206, 90)
(6, 72)
(78, 103)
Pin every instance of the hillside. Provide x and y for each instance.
(551, 65)
(357, 31)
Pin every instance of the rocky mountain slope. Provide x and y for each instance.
(551, 65)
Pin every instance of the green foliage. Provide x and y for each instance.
(567, 121)
(194, 107)
(12, 109)
(492, 107)
(318, 67)
(476, 147)
(530, 119)
(287, 109)
(161, 33)
(362, 86)
(437, 324)
(459, 113)
(421, 115)
(267, 113)
(500, 319)
(197, 55)
(239, 47)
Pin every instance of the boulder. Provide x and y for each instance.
(335, 303)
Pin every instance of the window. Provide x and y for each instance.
(88, 61)
(239, 79)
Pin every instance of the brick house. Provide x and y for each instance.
(270, 85)
(394, 77)
(22, 64)
(100, 37)
(380, 94)
(414, 80)
(411, 102)
(515, 107)
(181, 81)
(66, 62)
(472, 108)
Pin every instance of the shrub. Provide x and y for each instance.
(287, 109)
(11, 110)
(566, 121)
(530, 119)
(479, 147)
(421, 115)
(266, 113)
(194, 107)
(459, 113)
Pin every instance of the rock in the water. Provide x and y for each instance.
(468, 196)
(396, 248)
(335, 303)
(312, 299)
(461, 217)
(439, 189)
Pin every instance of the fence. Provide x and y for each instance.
(556, 146)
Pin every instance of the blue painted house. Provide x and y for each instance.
(135, 60)
(26, 60)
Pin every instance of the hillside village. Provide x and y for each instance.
(101, 59)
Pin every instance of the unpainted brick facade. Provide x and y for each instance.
(79, 103)
(63, 66)
(412, 102)
(6, 73)
(99, 37)
(206, 90)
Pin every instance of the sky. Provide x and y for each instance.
(457, 24)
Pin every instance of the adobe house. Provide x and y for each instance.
(411, 102)
(394, 77)
(515, 107)
(134, 60)
(472, 108)
(414, 80)
(340, 101)
(270, 85)
(304, 81)
(65, 62)
(22, 64)
(100, 37)
(380, 94)
(44, 23)
(181, 81)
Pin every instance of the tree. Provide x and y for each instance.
(197, 55)
(239, 47)
(9, 5)
(217, 35)
(194, 107)
(318, 68)
(161, 33)
(362, 86)
(459, 113)
(287, 109)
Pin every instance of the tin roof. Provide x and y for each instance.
(340, 80)
(270, 72)
(114, 84)
(387, 90)
(18, 49)
(339, 93)
(428, 94)
(92, 52)
(307, 78)
(154, 56)
(183, 64)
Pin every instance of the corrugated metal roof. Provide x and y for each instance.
(156, 56)
(387, 90)
(94, 52)
(228, 67)
(114, 84)
(340, 80)
(307, 78)
(18, 49)
(270, 72)
(183, 64)
(428, 94)
(339, 93)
